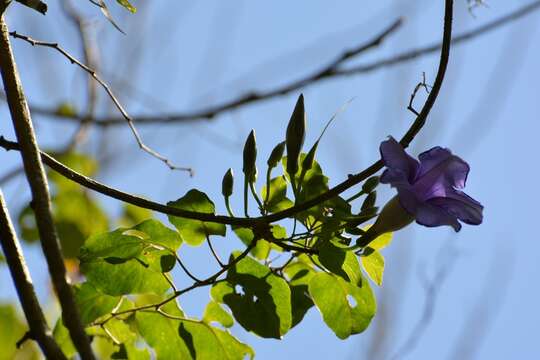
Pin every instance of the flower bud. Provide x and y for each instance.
(294, 139)
(393, 217)
(250, 157)
(227, 183)
(276, 155)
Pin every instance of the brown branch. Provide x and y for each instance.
(126, 117)
(39, 330)
(212, 112)
(328, 71)
(36, 5)
(40, 193)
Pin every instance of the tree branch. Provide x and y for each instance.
(127, 118)
(40, 193)
(324, 74)
(39, 329)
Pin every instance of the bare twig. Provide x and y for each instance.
(127, 118)
(214, 253)
(327, 71)
(420, 85)
(40, 193)
(39, 330)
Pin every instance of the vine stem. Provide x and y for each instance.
(35, 175)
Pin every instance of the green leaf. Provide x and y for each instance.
(340, 262)
(12, 329)
(277, 201)
(61, 335)
(206, 342)
(91, 303)
(116, 264)
(382, 241)
(184, 338)
(66, 109)
(373, 264)
(127, 5)
(161, 334)
(159, 234)
(214, 312)
(261, 249)
(260, 301)
(194, 232)
(299, 275)
(333, 296)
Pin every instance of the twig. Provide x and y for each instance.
(127, 118)
(327, 71)
(188, 273)
(40, 194)
(39, 330)
(216, 256)
(420, 85)
(400, 58)
(37, 5)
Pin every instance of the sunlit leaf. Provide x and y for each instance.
(277, 199)
(12, 329)
(91, 303)
(194, 232)
(127, 5)
(214, 312)
(347, 309)
(116, 264)
(373, 264)
(340, 262)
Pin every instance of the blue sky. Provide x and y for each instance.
(190, 54)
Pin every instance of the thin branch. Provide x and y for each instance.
(327, 71)
(39, 330)
(37, 5)
(37, 180)
(214, 253)
(127, 118)
(400, 58)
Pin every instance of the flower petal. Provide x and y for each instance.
(460, 205)
(398, 162)
(430, 215)
(438, 165)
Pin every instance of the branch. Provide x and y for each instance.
(211, 113)
(327, 71)
(126, 117)
(40, 193)
(37, 5)
(39, 330)
(253, 222)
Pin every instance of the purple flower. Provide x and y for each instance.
(428, 189)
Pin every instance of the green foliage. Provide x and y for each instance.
(195, 231)
(259, 300)
(126, 4)
(130, 261)
(129, 302)
(346, 308)
(77, 215)
(12, 329)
